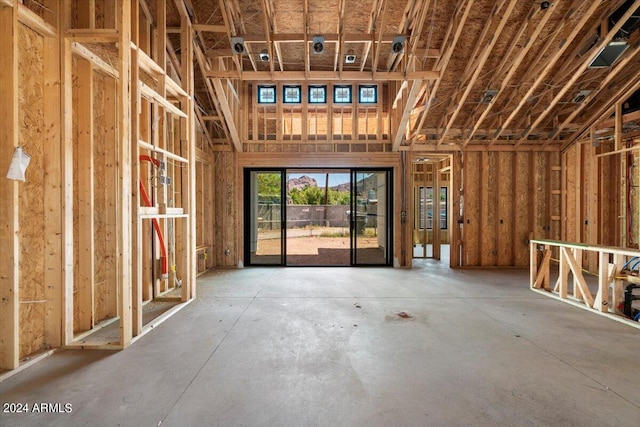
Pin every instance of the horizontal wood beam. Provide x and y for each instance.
(174, 88)
(27, 17)
(210, 28)
(294, 76)
(538, 146)
(154, 96)
(99, 64)
(165, 153)
(328, 38)
(146, 63)
(610, 123)
(93, 35)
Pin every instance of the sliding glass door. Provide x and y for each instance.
(317, 223)
(264, 232)
(313, 217)
(370, 217)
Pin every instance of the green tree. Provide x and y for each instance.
(269, 185)
(339, 197)
(314, 195)
(297, 197)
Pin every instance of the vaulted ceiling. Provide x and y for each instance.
(471, 73)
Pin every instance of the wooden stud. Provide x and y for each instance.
(617, 295)
(437, 235)
(123, 19)
(67, 179)
(53, 183)
(138, 125)
(85, 172)
(9, 219)
(455, 238)
(187, 264)
(110, 195)
(601, 302)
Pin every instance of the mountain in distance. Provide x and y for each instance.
(307, 181)
(301, 183)
(346, 186)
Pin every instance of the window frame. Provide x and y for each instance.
(338, 87)
(284, 94)
(262, 88)
(375, 94)
(324, 91)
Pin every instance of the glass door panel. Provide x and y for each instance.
(264, 242)
(317, 231)
(369, 216)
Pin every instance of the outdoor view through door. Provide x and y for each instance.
(312, 217)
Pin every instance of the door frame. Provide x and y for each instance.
(248, 223)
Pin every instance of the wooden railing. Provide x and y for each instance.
(612, 276)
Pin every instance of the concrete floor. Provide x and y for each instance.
(326, 347)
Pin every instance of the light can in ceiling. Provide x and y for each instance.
(237, 45)
(318, 44)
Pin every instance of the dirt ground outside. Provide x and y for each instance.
(321, 246)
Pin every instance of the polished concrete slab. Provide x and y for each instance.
(349, 347)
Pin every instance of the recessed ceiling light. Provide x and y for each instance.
(350, 58)
(318, 44)
(398, 44)
(237, 45)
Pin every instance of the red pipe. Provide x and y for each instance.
(156, 225)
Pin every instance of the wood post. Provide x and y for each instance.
(53, 227)
(86, 234)
(9, 222)
(123, 215)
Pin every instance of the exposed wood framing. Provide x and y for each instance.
(578, 73)
(608, 274)
(86, 253)
(9, 244)
(27, 17)
(495, 29)
(514, 65)
(409, 104)
(543, 74)
(53, 275)
(123, 18)
(292, 76)
(228, 114)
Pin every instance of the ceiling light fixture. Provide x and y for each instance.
(237, 45)
(545, 5)
(264, 55)
(318, 44)
(398, 44)
(350, 58)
